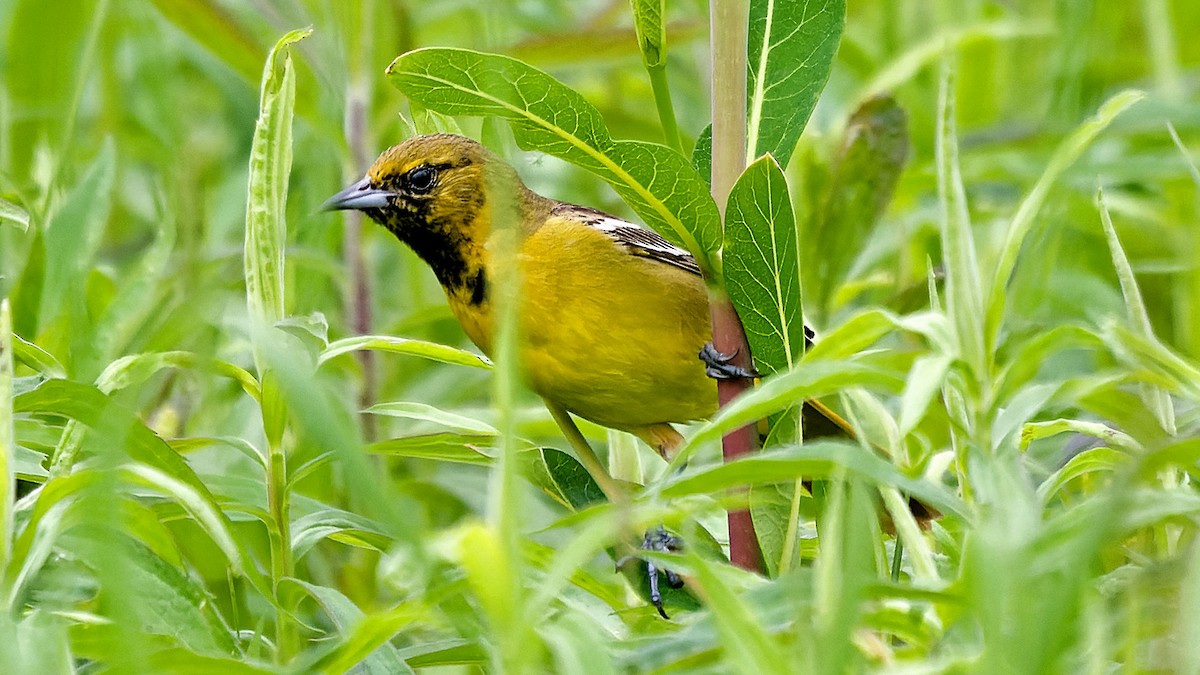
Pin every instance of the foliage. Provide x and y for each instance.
(993, 233)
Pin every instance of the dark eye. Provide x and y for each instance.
(421, 179)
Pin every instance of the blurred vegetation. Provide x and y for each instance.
(150, 528)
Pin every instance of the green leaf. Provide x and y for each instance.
(749, 647)
(815, 459)
(129, 371)
(443, 447)
(397, 345)
(561, 477)
(270, 166)
(346, 616)
(762, 273)
(72, 237)
(42, 93)
(791, 49)
(169, 602)
(964, 289)
(427, 413)
(547, 116)
(809, 379)
(118, 425)
(37, 358)
(651, 31)
(1064, 156)
(702, 155)
(1088, 461)
(1156, 398)
(14, 214)
(340, 526)
(863, 179)
(211, 25)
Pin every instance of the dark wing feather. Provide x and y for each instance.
(635, 239)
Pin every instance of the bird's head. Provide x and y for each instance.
(433, 183)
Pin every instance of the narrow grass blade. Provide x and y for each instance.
(1156, 398)
(1064, 156)
(964, 294)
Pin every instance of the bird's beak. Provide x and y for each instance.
(357, 197)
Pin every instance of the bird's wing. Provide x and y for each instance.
(634, 238)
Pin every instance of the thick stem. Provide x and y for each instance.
(358, 292)
(728, 35)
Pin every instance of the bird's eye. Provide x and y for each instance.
(421, 179)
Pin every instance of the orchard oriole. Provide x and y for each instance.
(612, 315)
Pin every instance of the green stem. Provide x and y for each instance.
(666, 109)
(282, 563)
(8, 443)
(587, 457)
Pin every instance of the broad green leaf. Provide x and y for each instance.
(1064, 156)
(762, 273)
(14, 214)
(775, 509)
(36, 642)
(791, 47)
(397, 345)
(964, 289)
(561, 477)
(366, 642)
(863, 178)
(549, 117)
(270, 167)
(1156, 398)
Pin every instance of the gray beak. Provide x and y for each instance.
(357, 197)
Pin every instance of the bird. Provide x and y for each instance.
(612, 316)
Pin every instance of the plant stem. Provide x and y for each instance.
(358, 293)
(587, 457)
(8, 445)
(666, 109)
(728, 31)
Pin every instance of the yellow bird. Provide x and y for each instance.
(612, 316)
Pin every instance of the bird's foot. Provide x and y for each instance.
(658, 539)
(720, 366)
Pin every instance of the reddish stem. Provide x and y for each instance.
(730, 338)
